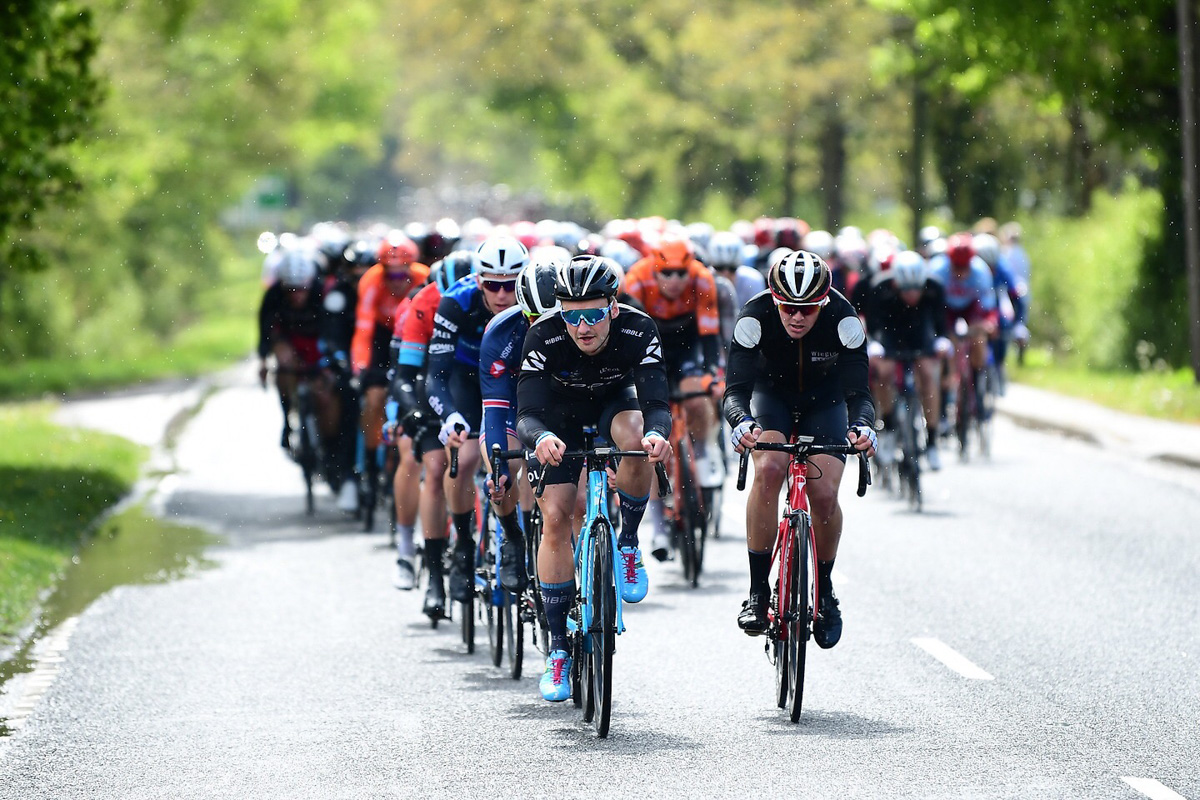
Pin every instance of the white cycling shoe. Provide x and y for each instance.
(347, 499)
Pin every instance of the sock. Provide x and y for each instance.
(655, 507)
(760, 572)
(825, 575)
(931, 437)
(512, 527)
(557, 599)
(465, 529)
(632, 509)
(434, 550)
(404, 541)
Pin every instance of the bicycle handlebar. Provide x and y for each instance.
(805, 449)
(454, 451)
(660, 471)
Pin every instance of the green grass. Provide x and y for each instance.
(224, 329)
(54, 482)
(1167, 394)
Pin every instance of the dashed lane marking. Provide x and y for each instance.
(1153, 789)
(952, 659)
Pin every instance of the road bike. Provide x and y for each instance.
(597, 618)
(304, 442)
(975, 400)
(688, 512)
(470, 608)
(794, 598)
(910, 428)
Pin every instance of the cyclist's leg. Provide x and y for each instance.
(926, 375)
(407, 491)
(556, 571)
(374, 396)
(286, 361)
(826, 424)
(883, 385)
(433, 519)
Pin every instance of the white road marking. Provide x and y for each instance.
(952, 659)
(1153, 789)
(48, 657)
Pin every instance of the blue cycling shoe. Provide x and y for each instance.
(556, 680)
(631, 573)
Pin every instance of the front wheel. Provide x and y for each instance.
(803, 596)
(602, 630)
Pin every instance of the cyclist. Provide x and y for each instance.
(595, 362)
(452, 384)
(798, 365)
(680, 295)
(500, 365)
(1010, 302)
(419, 421)
(289, 326)
(725, 257)
(970, 296)
(905, 310)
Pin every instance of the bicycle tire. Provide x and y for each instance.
(577, 657)
(695, 529)
(685, 533)
(307, 455)
(370, 497)
(803, 589)
(603, 630)
(487, 597)
(539, 631)
(963, 415)
(514, 634)
(778, 633)
(908, 414)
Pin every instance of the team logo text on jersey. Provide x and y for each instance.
(497, 369)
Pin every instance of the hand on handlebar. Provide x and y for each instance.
(550, 450)
(497, 489)
(262, 374)
(656, 447)
(863, 438)
(745, 435)
(454, 430)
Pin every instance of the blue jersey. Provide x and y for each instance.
(499, 368)
(458, 328)
(977, 286)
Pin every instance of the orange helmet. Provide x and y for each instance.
(672, 254)
(397, 251)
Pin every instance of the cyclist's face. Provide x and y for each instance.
(499, 291)
(590, 338)
(797, 320)
(671, 281)
(297, 297)
(911, 296)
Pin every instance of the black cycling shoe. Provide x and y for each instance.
(462, 574)
(285, 438)
(435, 599)
(753, 617)
(827, 627)
(511, 570)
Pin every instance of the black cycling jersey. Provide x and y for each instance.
(899, 326)
(277, 318)
(830, 361)
(555, 373)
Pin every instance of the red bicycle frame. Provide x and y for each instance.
(797, 499)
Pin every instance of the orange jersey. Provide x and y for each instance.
(417, 330)
(697, 301)
(377, 306)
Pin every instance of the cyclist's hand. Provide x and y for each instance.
(454, 430)
(389, 433)
(863, 438)
(745, 435)
(550, 450)
(1021, 333)
(875, 350)
(497, 492)
(943, 346)
(262, 374)
(657, 447)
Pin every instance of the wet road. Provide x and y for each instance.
(1034, 634)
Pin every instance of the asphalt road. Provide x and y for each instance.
(1068, 578)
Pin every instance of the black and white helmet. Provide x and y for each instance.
(535, 290)
(587, 278)
(502, 255)
(800, 277)
(908, 270)
(297, 270)
(551, 256)
(725, 249)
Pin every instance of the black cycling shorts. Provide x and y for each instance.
(683, 359)
(567, 420)
(826, 420)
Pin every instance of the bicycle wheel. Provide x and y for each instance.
(490, 592)
(306, 441)
(964, 410)
(603, 628)
(910, 433)
(538, 609)
(778, 629)
(695, 528)
(370, 497)
(514, 634)
(686, 502)
(804, 597)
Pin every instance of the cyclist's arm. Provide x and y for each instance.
(653, 392)
(739, 375)
(854, 374)
(498, 385)
(533, 398)
(446, 326)
(266, 320)
(935, 300)
(364, 323)
(708, 318)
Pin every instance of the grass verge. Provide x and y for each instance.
(54, 482)
(1166, 394)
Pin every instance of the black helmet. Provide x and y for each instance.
(536, 290)
(587, 278)
(800, 277)
(455, 267)
(362, 253)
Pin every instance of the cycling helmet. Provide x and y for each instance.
(800, 277)
(297, 270)
(725, 249)
(267, 242)
(455, 267)
(788, 233)
(960, 249)
(928, 234)
(700, 234)
(362, 254)
(987, 247)
(536, 288)
(397, 251)
(621, 252)
(908, 270)
(525, 232)
(502, 255)
(819, 243)
(672, 254)
(587, 278)
(549, 256)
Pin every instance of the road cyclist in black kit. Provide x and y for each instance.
(594, 363)
(797, 366)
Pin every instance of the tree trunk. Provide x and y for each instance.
(1191, 195)
(833, 168)
(791, 166)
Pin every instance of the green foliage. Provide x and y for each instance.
(48, 95)
(54, 482)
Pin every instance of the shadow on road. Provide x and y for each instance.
(831, 725)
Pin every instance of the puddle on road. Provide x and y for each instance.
(129, 548)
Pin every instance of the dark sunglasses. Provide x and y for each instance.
(397, 276)
(803, 309)
(592, 316)
(673, 272)
(499, 286)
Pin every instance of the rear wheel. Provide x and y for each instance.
(804, 596)
(694, 521)
(910, 432)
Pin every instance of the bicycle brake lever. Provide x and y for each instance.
(743, 464)
(664, 483)
(864, 474)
